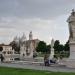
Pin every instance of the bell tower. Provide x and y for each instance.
(30, 35)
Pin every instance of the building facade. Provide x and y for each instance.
(7, 52)
(27, 47)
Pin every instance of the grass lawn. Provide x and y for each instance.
(14, 71)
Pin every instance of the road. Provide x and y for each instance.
(37, 67)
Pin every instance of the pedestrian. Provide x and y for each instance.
(2, 58)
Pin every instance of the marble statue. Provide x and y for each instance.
(52, 50)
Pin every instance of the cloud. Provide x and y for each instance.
(42, 28)
(46, 18)
(35, 8)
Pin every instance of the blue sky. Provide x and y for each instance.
(45, 18)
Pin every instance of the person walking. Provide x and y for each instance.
(2, 58)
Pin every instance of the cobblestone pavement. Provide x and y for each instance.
(38, 67)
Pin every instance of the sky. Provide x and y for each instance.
(45, 18)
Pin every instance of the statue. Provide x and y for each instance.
(70, 62)
(71, 21)
(73, 12)
(52, 50)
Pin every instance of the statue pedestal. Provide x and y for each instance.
(71, 60)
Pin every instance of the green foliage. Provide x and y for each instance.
(15, 46)
(61, 50)
(66, 46)
(67, 49)
(61, 47)
(48, 48)
(56, 46)
(41, 47)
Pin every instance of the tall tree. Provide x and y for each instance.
(48, 48)
(41, 47)
(15, 46)
(58, 49)
(61, 47)
(56, 46)
(66, 46)
(67, 49)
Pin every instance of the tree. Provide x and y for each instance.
(15, 46)
(61, 47)
(56, 46)
(67, 49)
(41, 47)
(58, 49)
(48, 48)
(66, 46)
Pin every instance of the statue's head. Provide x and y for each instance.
(71, 17)
(73, 12)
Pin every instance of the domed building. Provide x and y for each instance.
(27, 47)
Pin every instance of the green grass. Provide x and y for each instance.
(16, 71)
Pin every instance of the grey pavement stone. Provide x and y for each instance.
(38, 67)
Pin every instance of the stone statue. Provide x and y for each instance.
(73, 12)
(52, 43)
(52, 50)
(71, 21)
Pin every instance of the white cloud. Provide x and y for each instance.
(46, 18)
(43, 29)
